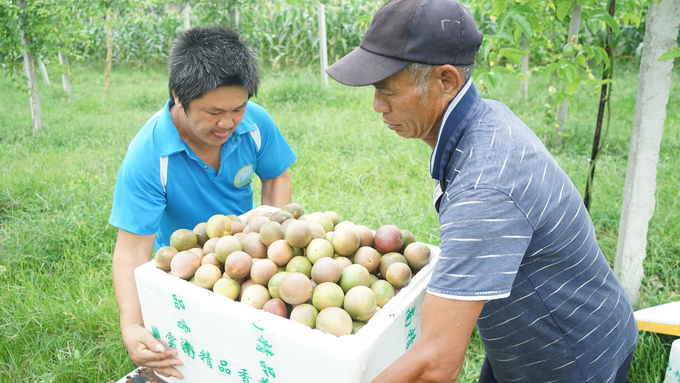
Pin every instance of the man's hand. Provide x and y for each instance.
(439, 353)
(145, 350)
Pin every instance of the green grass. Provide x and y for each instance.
(58, 316)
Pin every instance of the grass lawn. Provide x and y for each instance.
(58, 316)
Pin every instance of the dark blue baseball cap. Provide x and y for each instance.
(402, 32)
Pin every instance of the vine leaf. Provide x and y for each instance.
(563, 8)
(581, 60)
(505, 35)
(612, 23)
(601, 15)
(524, 23)
(498, 6)
(486, 46)
(671, 54)
(512, 54)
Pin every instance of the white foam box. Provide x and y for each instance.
(220, 340)
(673, 370)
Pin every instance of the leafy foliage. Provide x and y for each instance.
(281, 32)
(286, 32)
(138, 38)
(47, 25)
(506, 23)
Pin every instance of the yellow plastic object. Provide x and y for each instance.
(662, 319)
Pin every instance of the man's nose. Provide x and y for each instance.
(380, 106)
(225, 123)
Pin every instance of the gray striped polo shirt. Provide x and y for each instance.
(514, 232)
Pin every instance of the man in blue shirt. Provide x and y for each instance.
(193, 159)
(519, 257)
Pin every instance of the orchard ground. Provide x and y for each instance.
(59, 320)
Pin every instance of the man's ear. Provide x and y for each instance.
(177, 102)
(450, 79)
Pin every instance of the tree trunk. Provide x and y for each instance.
(109, 52)
(43, 72)
(653, 91)
(29, 66)
(66, 76)
(323, 59)
(524, 69)
(562, 110)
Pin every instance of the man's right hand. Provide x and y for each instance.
(147, 351)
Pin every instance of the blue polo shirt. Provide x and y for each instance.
(147, 202)
(515, 233)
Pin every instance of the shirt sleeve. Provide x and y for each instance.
(484, 237)
(138, 199)
(275, 155)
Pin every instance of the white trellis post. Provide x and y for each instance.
(34, 99)
(43, 72)
(653, 91)
(29, 66)
(186, 16)
(524, 70)
(323, 58)
(234, 16)
(65, 77)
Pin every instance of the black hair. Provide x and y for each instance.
(205, 58)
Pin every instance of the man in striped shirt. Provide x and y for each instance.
(519, 256)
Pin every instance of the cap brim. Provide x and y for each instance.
(361, 67)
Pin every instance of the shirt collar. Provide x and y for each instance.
(169, 141)
(455, 113)
(247, 124)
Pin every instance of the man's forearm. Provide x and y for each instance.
(125, 290)
(438, 355)
(131, 251)
(277, 191)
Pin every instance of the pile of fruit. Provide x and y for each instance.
(313, 268)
